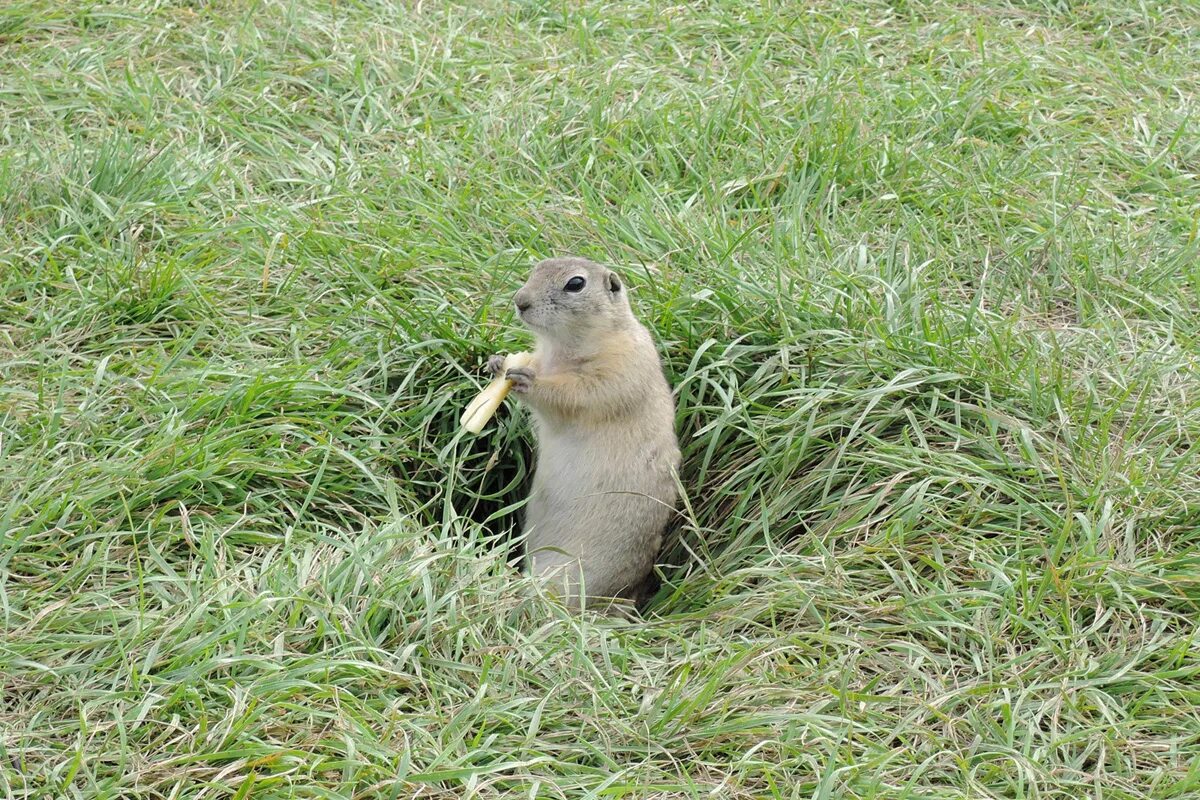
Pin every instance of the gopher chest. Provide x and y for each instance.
(600, 466)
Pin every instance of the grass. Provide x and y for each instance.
(927, 280)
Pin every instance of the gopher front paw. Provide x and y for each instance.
(521, 377)
(495, 365)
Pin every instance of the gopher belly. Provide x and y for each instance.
(599, 505)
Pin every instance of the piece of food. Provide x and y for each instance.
(484, 406)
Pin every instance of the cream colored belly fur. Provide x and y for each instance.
(607, 511)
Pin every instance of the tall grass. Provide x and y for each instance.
(925, 277)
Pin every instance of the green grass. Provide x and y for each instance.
(927, 280)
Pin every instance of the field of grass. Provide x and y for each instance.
(927, 280)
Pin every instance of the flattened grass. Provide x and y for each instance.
(925, 277)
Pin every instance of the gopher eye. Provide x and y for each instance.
(576, 284)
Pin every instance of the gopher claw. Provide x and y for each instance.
(521, 377)
(495, 365)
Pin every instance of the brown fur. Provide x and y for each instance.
(604, 488)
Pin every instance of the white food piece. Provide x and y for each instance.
(481, 409)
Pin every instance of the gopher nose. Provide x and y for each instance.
(523, 303)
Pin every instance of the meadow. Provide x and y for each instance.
(926, 280)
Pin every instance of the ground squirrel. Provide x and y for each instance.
(604, 487)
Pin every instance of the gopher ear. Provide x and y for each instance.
(614, 283)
